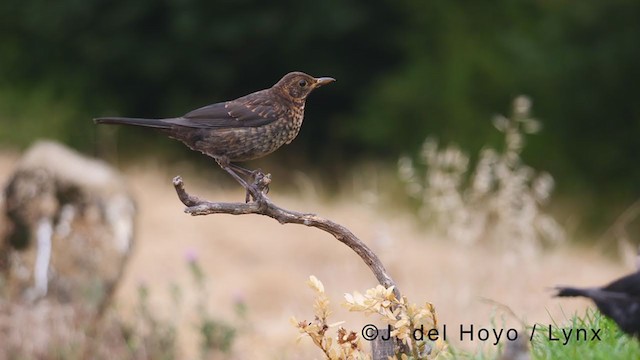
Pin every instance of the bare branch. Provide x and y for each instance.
(263, 206)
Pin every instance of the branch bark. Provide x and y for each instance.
(263, 206)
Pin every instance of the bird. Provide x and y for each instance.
(243, 129)
(619, 300)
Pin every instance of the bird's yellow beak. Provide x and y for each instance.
(323, 81)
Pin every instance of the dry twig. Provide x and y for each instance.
(263, 206)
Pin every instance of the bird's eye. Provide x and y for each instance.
(302, 83)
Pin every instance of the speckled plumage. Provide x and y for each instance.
(243, 129)
(242, 143)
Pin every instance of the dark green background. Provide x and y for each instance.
(405, 69)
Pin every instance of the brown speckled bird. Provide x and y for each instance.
(243, 129)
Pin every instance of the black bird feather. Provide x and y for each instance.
(619, 300)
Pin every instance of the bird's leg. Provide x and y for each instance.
(260, 179)
(240, 169)
(252, 190)
(248, 173)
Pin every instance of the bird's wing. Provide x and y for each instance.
(253, 110)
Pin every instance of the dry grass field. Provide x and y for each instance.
(256, 260)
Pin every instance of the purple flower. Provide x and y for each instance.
(191, 255)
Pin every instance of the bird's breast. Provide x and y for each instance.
(293, 127)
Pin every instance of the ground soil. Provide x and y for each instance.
(256, 260)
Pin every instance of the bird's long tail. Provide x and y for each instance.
(571, 292)
(151, 123)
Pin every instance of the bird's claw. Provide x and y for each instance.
(260, 185)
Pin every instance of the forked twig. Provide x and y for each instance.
(263, 206)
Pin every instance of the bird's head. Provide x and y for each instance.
(299, 85)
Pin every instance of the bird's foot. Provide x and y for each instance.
(259, 187)
(261, 180)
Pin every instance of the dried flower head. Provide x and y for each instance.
(500, 200)
(404, 319)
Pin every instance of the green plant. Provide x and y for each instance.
(215, 334)
(149, 335)
(591, 336)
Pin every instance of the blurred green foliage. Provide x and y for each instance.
(406, 69)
